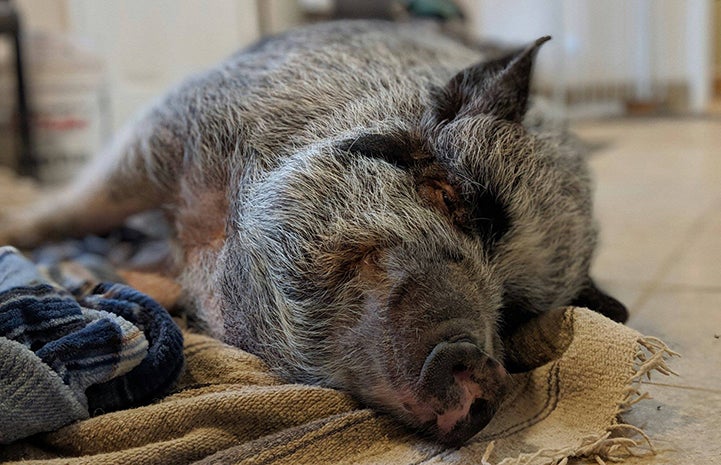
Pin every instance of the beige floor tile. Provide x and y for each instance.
(628, 293)
(689, 321)
(683, 415)
(683, 418)
(700, 263)
(636, 251)
(654, 180)
(684, 426)
(658, 202)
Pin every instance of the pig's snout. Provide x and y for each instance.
(463, 387)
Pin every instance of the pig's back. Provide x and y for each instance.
(316, 83)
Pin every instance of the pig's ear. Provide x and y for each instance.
(498, 87)
(595, 299)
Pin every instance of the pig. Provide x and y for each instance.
(364, 205)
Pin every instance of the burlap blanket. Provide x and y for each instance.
(229, 409)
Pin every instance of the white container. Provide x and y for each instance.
(66, 100)
(66, 92)
(7, 133)
(8, 153)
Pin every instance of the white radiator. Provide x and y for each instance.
(611, 56)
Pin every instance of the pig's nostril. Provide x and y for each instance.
(459, 368)
(461, 338)
(448, 363)
(478, 407)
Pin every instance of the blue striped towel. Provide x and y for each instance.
(65, 357)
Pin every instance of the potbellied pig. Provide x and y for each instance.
(364, 205)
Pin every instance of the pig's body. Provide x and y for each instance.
(355, 215)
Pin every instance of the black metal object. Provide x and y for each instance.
(441, 10)
(10, 25)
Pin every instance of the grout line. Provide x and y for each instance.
(708, 116)
(681, 287)
(683, 386)
(667, 286)
(698, 227)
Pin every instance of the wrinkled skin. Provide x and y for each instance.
(364, 206)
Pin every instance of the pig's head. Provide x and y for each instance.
(389, 263)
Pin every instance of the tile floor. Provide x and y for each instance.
(658, 202)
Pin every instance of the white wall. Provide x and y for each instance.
(44, 15)
(149, 45)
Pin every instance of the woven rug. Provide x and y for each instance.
(229, 409)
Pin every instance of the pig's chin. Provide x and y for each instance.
(449, 405)
(452, 425)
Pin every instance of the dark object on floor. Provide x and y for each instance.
(10, 25)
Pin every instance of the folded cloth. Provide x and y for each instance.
(159, 370)
(64, 357)
(228, 408)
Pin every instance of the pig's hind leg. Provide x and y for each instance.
(137, 171)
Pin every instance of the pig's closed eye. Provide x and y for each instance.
(449, 203)
(397, 148)
(441, 197)
(481, 216)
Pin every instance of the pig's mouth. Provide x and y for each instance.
(456, 424)
(458, 393)
(456, 427)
